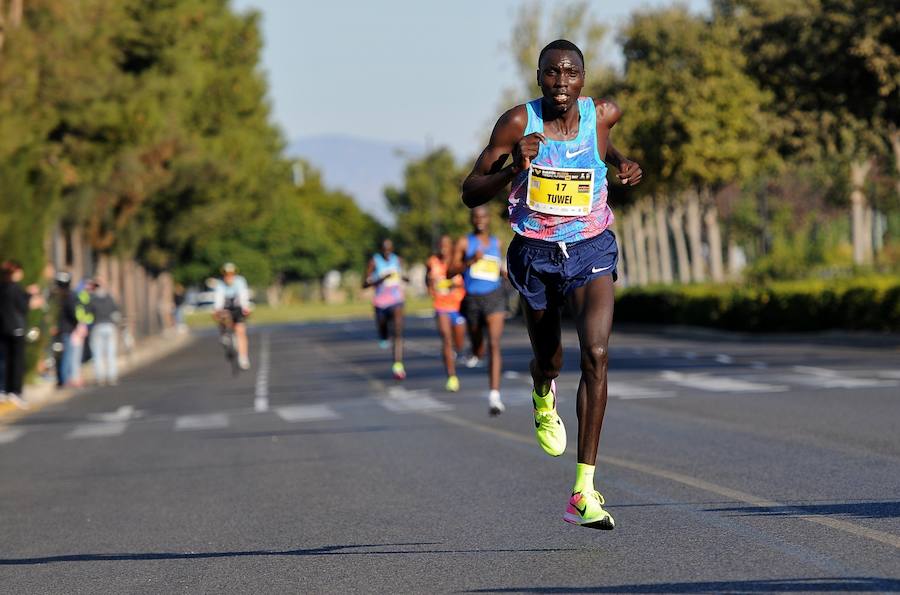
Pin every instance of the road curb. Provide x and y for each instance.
(41, 394)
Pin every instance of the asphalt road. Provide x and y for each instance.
(730, 467)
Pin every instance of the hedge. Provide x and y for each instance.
(871, 303)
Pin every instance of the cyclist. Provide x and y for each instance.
(232, 306)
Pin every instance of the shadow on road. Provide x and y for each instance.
(863, 510)
(329, 550)
(798, 585)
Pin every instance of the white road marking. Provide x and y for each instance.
(10, 435)
(757, 365)
(888, 374)
(297, 413)
(825, 378)
(261, 392)
(723, 358)
(123, 413)
(205, 421)
(720, 383)
(623, 390)
(511, 375)
(400, 400)
(98, 430)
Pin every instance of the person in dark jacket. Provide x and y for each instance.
(66, 324)
(14, 305)
(104, 333)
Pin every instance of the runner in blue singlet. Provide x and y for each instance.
(563, 251)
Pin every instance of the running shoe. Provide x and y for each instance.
(495, 404)
(244, 363)
(586, 509)
(384, 344)
(473, 361)
(549, 427)
(398, 370)
(452, 384)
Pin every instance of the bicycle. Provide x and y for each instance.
(229, 341)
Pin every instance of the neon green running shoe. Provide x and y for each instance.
(398, 370)
(586, 509)
(452, 384)
(549, 428)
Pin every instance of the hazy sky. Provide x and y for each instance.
(397, 70)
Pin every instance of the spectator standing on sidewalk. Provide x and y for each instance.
(79, 336)
(14, 305)
(104, 333)
(66, 323)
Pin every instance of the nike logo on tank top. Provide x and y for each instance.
(562, 197)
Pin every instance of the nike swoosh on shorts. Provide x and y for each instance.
(570, 155)
(600, 270)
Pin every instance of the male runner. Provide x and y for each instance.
(384, 274)
(447, 293)
(232, 298)
(477, 256)
(563, 250)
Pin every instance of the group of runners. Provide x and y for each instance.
(553, 153)
(464, 279)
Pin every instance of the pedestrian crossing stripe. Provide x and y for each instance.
(98, 429)
(8, 435)
(205, 421)
(299, 413)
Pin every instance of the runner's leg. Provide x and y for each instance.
(445, 328)
(398, 333)
(546, 344)
(592, 307)
(495, 324)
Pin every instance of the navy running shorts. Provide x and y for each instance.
(545, 272)
(386, 314)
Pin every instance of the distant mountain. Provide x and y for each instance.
(360, 167)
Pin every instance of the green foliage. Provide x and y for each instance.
(429, 204)
(854, 304)
(694, 118)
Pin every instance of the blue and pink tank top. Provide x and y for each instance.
(581, 153)
(483, 276)
(390, 291)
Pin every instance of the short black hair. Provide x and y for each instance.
(561, 44)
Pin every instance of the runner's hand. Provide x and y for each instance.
(630, 173)
(526, 150)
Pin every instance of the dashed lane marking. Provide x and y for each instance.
(205, 421)
(98, 430)
(720, 384)
(825, 378)
(10, 435)
(300, 413)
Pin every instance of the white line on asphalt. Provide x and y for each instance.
(888, 374)
(261, 394)
(720, 383)
(825, 378)
(297, 413)
(400, 400)
(98, 430)
(10, 435)
(204, 421)
(623, 390)
(723, 358)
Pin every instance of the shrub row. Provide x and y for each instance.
(853, 304)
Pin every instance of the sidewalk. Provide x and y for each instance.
(43, 393)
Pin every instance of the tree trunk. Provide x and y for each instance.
(894, 136)
(859, 170)
(695, 236)
(652, 241)
(676, 222)
(869, 238)
(76, 255)
(735, 261)
(129, 290)
(714, 234)
(631, 251)
(115, 280)
(662, 238)
(640, 241)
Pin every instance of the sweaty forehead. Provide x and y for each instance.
(560, 58)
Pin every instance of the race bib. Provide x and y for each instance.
(393, 279)
(560, 191)
(444, 286)
(487, 268)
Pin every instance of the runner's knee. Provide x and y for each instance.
(594, 358)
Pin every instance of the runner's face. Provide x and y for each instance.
(387, 247)
(446, 245)
(229, 278)
(480, 219)
(560, 76)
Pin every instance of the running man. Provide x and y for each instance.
(384, 274)
(232, 299)
(563, 251)
(447, 294)
(477, 256)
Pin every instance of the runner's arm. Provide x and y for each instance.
(457, 264)
(608, 114)
(370, 269)
(489, 176)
